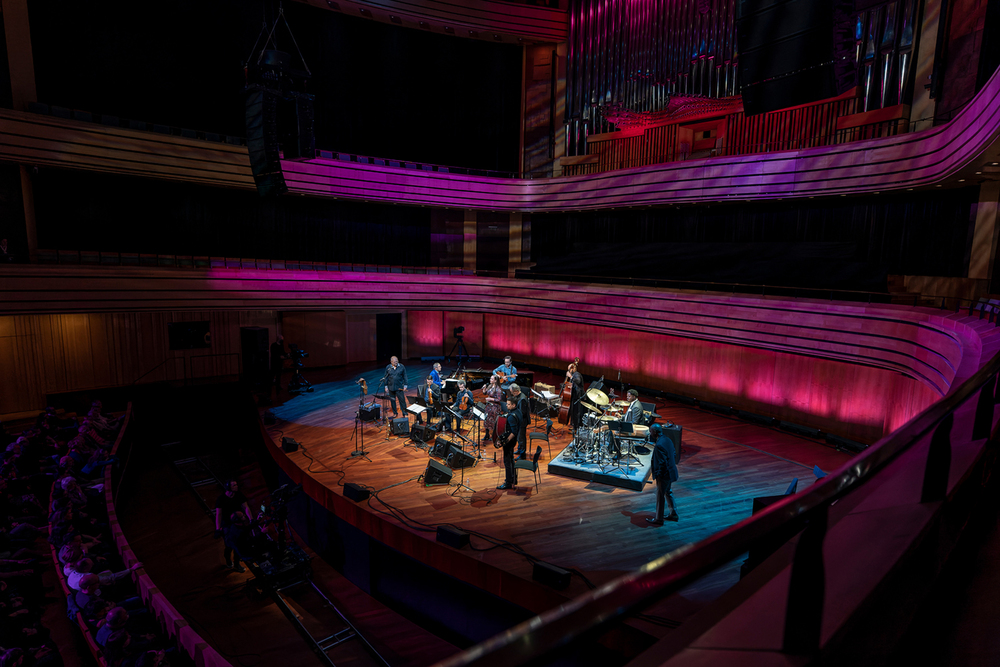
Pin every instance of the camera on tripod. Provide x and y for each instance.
(298, 383)
(296, 355)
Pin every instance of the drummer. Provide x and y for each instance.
(633, 415)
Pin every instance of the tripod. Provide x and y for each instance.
(359, 427)
(460, 347)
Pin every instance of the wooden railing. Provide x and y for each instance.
(813, 602)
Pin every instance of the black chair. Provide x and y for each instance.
(532, 465)
(543, 435)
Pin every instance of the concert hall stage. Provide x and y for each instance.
(595, 529)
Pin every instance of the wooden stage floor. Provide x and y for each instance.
(596, 529)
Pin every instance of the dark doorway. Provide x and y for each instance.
(388, 336)
(492, 243)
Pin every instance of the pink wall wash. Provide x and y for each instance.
(860, 402)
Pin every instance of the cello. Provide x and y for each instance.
(566, 395)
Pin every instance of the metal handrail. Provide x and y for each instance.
(183, 366)
(666, 575)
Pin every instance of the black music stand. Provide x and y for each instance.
(359, 427)
(627, 452)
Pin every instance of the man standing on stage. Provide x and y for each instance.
(395, 385)
(524, 412)
(278, 357)
(664, 471)
(510, 436)
(633, 415)
(575, 378)
(508, 371)
(462, 405)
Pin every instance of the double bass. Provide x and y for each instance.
(566, 396)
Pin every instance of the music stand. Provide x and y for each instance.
(417, 406)
(359, 427)
(624, 429)
(479, 416)
(461, 485)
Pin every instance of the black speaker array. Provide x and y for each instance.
(786, 53)
(459, 458)
(262, 140)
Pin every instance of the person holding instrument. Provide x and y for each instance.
(432, 396)
(506, 372)
(463, 403)
(494, 407)
(575, 380)
(435, 376)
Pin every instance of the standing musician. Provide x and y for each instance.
(494, 407)
(509, 441)
(395, 385)
(633, 415)
(432, 396)
(524, 412)
(575, 378)
(462, 405)
(508, 371)
(435, 376)
(664, 469)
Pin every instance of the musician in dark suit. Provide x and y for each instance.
(395, 385)
(575, 378)
(633, 415)
(664, 471)
(524, 412)
(509, 437)
(463, 395)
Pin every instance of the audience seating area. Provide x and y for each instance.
(102, 587)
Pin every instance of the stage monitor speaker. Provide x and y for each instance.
(262, 140)
(356, 492)
(422, 433)
(289, 445)
(370, 412)
(458, 458)
(453, 537)
(442, 446)
(436, 473)
(256, 361)
(400, 426)
(550, 575)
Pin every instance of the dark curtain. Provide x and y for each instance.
(85, 211)
(381, 90)
(844, 244)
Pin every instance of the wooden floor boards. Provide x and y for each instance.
(596, 529)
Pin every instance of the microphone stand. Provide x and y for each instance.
(357, 422)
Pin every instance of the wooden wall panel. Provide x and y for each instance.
(361, 337)
(424, 333)
(51, 354)
(323, 334)
(855, 401)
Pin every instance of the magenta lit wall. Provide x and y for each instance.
(855, 401)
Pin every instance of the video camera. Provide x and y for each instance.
(296, 355)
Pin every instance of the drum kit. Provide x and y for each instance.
(601, 437)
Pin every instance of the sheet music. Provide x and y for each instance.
(416, 409)
(478, 413)
(548, 395)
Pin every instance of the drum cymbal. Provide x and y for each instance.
(597, 396)
(608, 418)
(589, 406)
(621, 404)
